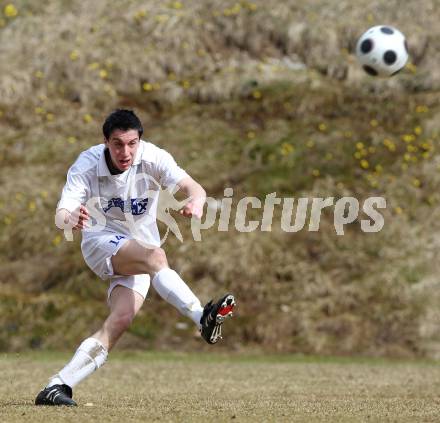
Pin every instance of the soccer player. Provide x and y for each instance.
(121, 179)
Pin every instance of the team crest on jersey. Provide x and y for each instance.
(136, 206)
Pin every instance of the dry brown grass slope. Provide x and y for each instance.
(151, 387)
(260, 96)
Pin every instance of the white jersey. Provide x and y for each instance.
(123, 204)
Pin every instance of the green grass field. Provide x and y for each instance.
(209, 387)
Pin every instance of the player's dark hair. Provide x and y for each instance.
(121, 119)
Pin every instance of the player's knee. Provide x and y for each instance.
(121, 321)
(156, 260)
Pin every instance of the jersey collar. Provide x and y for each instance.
(102, 165)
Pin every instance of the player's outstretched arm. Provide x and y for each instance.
(197, 196)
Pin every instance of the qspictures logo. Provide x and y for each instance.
(228, 213)
(295, 213)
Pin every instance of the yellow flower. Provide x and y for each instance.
(177, 5)
(236, 9)
(416, 182)
(186, 84)
(358, 155)
(411, 67)
(87, 118)
(103, 73)
(38, 74)
(44, 194)
(7, 220)
(316, 172)
(39, 110)
(373, 183)
(431, 200)
(422, 109)
(364, 164)
(74, 55)
(71, 140)
(161, 18)
(374, 123)
(140, 14)
(328, 156)
(389, 144)
(251, 135)
(10, 11)
(172, 76)
(378, 168)
(418, 130)
(146, 86)
(310, 143)
(411, 149)
(322, 127)
(50, 117)
(57, 240)
(32, 206)
(408, 137)
(286, 149)
(407, 157)
(359, 145)
(93, 65)
(426, 146)
(398, 210)
(256, 94)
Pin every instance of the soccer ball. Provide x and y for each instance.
(382, 51)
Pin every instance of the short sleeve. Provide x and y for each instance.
(168, 170)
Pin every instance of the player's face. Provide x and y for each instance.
(123, 146)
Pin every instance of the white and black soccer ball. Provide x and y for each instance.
(382, 51)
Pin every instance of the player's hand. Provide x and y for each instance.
(193, 209)
(79, 218)
(75, 220)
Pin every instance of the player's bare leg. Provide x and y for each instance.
(124, 305)
(92, 353)
(134, 258)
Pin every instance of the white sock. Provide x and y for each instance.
(170, 286)
(89, 356)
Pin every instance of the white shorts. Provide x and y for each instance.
(98, 251)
